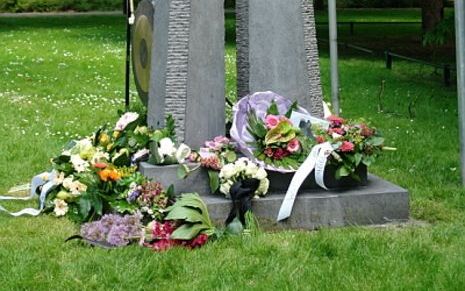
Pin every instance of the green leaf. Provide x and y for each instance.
(230, 156)
(123, 206)
(214, 179)
(185, 213)
(376, 141)
(84, 206)
(368, 160)
(292, 108)
(273, 109)
(358, 158)
(183, 171)
(342, 171)
(188, 231)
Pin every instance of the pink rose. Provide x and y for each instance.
(293, 145)
(221, 139)
(271, 121)
(346, 146)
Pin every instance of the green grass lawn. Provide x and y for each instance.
(62, 77)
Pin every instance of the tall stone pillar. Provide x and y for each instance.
(277, 50)
(187, 70)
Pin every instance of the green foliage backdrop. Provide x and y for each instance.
(58, 5)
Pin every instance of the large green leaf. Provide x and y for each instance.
(188, 231)
(185, 213)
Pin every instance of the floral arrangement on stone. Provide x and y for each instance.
(264, 131)
(354, 144)
(240, 170)
(163, 147)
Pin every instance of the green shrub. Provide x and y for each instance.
(58, 5)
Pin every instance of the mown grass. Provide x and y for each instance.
(62, 77)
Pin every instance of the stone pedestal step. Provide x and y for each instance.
(376, 203)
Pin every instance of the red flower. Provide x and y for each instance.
(335, 120)
(268, 152)
(280, 153)
(366, 131)
(100, 165)
(199, 241)
(346, 146)
(320, 139)
(163, 231)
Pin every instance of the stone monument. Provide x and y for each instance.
(187, 72)
(277, 51)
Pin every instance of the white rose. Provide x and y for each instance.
(251, 169)
(241, 164)
(224, 188)
(263, 187)
(260, 174)
(166, 147)
(335, 135)
(182, 153)
(228, 171)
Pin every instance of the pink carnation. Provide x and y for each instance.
(293, 145)
(271, 121)
(346, 146)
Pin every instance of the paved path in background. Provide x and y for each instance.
(47, 14)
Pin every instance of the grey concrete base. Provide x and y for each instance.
(376, 203)
(196, 181)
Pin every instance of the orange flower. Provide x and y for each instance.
(104, 174)
(115, 175)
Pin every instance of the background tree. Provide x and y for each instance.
(432, 12)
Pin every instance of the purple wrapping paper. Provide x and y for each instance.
(260, 102)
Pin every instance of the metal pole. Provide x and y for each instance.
(332, 21)
(460, 48)
(128, 57)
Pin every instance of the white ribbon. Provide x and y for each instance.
(44, 180)
(315, 160)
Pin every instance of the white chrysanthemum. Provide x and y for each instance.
(79, 164)
(67, 182)
(59, 178)
(182, 153)
(241, 164)
(166, 147)
(77, 188)
(61, 207)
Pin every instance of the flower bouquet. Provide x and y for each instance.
(356, 146)
(263, 128)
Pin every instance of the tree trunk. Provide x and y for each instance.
(432, 12)
(319, 4)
